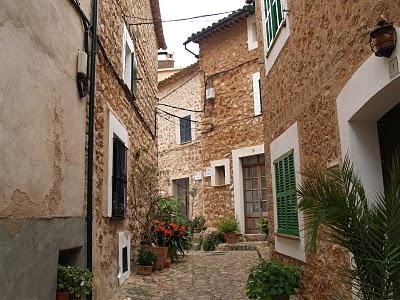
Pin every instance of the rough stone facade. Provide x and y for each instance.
(231, 113)
(178, 160)
(42, 152)
(328, 41)
(137, 114)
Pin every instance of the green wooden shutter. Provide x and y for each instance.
(286, 199)
(134, 73)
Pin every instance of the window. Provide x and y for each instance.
(185, 129)
(273, 19)
(252, 33)
(117, 169)
(124, 255)
(220, 172)
(124, 259)
(129, 62)
(257, 94)
(119, 179)
(286, 198)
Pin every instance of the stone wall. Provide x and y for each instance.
(178, 160)
(327, 43)
(232, 111)
(137, 114)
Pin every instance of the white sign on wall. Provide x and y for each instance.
(198, 175)
(207, 172)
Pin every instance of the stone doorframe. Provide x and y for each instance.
(238, 180)
(366, 97)
(171, 190)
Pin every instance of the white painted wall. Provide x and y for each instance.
(287, 141)
(366, 97)
(124, 240)
(237, 155)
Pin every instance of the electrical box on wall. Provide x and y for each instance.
(210, 93)
(81, 77)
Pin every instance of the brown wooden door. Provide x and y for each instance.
(255, 192)
(181, 192)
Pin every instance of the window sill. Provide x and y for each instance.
(283, 25)
(220, 185)
(287, 236)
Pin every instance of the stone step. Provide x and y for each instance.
(257, 237)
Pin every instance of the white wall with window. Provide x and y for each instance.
(257, 94)
(220, 172)
(117, 168)
(124, 254)
(129, 64)
(365, 99)
(276, 29)
(252, 41)
(288, 221)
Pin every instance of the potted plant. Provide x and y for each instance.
(272, 280)
(228, 226)
(73, 280)
(198, 224)
(264, 227)
(145, 262)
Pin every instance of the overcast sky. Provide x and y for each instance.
(177, 32)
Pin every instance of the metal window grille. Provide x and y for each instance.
(185, 129)
(273, 19)
(119, 179)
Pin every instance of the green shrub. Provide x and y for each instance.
(146, 258)
(212, 240)
(264, 226)
(228, 224)
(272, 278)
(74, 280)
(198, 222)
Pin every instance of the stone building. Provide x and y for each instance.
(325, 94)
(179, 150)
(125, 127)
(44, 124)
(229, 134)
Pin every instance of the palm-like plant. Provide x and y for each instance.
(334, 201)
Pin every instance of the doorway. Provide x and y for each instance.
(255, 192)
(389, 140)
(180, 190)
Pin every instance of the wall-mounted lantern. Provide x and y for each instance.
(383, 39)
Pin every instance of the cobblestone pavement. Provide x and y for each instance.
(200, 276)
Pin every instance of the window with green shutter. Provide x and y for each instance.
(273, 19)
(286, 199)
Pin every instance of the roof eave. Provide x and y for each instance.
(156, 12)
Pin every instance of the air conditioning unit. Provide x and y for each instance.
(210, 93)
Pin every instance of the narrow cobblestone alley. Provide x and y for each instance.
(200, 275)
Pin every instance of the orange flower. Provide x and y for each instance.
(168, 232)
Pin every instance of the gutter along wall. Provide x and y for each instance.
(42, 158)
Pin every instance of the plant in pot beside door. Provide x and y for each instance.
(272, 280)
(228, 226)
(73, 280)
(145, 262)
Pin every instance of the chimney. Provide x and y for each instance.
(165, 60)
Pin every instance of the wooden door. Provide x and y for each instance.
(181, 192)
(389, 140)
(255, 192)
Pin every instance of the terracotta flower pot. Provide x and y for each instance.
(231, 237)
(161, 253)
(62, 296)
(144, 270)
(167, 262)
